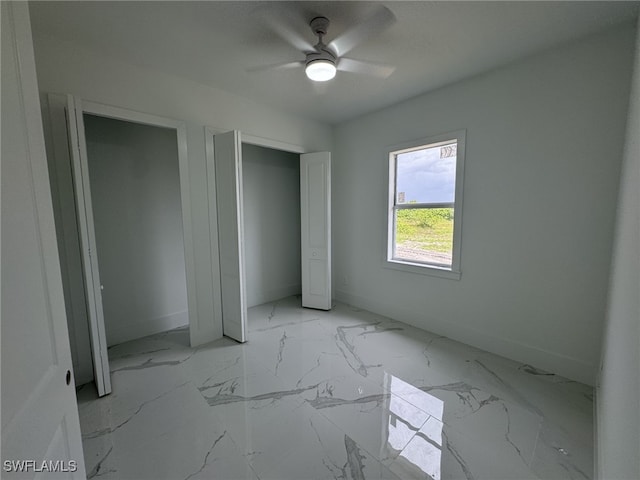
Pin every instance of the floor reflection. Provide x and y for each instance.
(424, 450)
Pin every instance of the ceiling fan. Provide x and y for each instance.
(322, 61)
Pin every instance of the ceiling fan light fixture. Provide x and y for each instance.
(320, 70)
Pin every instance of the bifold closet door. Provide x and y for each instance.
(315, 211)
(93, 289)
(228, 172)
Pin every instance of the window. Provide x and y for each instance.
(425, 200)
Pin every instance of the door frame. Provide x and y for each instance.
(256, 140)
(83, 205)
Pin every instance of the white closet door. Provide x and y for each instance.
(228, 169)
(39, 410)
(315, 209)
(78, 149)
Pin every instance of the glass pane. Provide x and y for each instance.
(427, 175)
(424, 235)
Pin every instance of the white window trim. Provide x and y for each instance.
(455, 271)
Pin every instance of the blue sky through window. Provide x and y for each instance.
(427, 175)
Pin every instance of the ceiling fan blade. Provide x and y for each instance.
(366, 68)
(381, 19)
(277, 66)
(282, 24)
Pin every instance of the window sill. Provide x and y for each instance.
(421, 269)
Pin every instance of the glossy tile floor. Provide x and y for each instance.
(344, 394)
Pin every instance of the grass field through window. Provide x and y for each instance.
(425, 235)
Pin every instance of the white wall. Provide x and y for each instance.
(543, 152)
(135, 194)
(618, 393)
(65, 67)
(271, 182)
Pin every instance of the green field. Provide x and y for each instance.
(428, 229)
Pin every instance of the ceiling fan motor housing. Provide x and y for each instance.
(319, 25)
(322, 53)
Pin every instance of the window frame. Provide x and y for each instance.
(454, 272)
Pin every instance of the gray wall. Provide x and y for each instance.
(618, 394)
(543, 153)
(271, 183)
(135, 193)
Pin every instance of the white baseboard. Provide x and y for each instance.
(557, 363)
(139, 329)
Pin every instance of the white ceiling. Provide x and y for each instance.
(431, 44)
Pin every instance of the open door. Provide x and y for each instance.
(78, 149)
(228, 173)
(315, 210)
(40, 424)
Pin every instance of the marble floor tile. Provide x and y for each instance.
(193, 450)
(326, 452)
(344, 394)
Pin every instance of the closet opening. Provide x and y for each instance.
(134, 182)
(121, 197)
(272, 244)
(280, 214)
